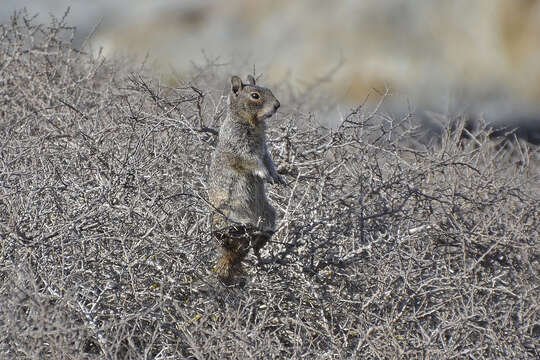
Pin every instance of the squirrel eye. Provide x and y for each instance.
(255, 96)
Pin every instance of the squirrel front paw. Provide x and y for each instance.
(263, 173)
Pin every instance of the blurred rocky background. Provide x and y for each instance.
(479, 58)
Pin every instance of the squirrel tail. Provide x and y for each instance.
(233, 250)
(229, 267)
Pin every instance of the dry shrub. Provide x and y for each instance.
(386, 249)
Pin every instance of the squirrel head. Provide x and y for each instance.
(251, 103)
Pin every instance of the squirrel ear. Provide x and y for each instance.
(236, 84)
(251, 80)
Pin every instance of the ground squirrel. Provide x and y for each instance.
(243, 217)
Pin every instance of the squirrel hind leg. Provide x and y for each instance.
(234, 241)
(234, 232)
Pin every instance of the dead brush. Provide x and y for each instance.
(386, 248)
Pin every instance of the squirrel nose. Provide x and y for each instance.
(276, 104)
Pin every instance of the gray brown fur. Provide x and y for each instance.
(241, 164)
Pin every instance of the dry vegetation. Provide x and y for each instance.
(387, 248)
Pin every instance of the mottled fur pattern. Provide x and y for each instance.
(241, 164)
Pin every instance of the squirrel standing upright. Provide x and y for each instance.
(241, 164)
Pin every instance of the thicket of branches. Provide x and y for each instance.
(386, 248)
